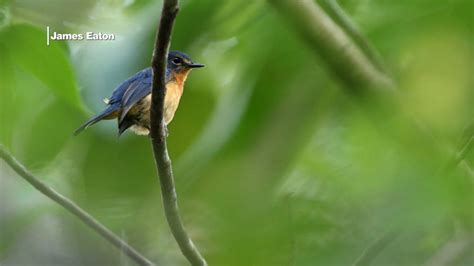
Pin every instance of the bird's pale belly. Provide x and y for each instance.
(140, 113)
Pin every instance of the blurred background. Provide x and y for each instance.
(274, 163)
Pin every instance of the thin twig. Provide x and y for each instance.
(466, 142)
(379, 244)
(452, 252)
(158, 135)
(465, 149)
(73, 208)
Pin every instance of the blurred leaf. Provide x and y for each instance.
(273, 165)
(7, 108)
(38, 146)
(50, 65)
(59, 14)
(37, 137)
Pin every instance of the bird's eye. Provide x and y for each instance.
(176, 61)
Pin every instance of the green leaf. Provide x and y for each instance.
(38, 146)
(49, 64)
(7, 106)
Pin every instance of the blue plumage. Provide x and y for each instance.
(129, 94)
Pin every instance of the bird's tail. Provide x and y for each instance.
(109, 113)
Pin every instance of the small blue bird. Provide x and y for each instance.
(130, 101)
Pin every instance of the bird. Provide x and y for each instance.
(131, 100)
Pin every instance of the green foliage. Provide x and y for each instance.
(274, 164)
(26, 45)
(37, 79)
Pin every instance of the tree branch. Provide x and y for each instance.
(340, 16)
(352, 59)
(158, 134)
(334, 45)
(73, 208)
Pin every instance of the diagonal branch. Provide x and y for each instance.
(342, 18)
(452, 252)
(460, 157)
(351, 58)
(342, 55)
(158, 134)
(72, 207)
(376, 247)
(349, 55)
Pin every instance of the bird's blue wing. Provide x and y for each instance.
(118, 93)
(138, 87)
(135, 92)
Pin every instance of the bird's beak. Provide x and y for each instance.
(195, 65)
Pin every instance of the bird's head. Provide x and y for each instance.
(181, 63)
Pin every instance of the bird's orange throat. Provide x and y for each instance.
(181, 77)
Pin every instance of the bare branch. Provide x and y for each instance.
(73, 208)
(158, 134)
(342, 18)
(352, 59)
(334, 45)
